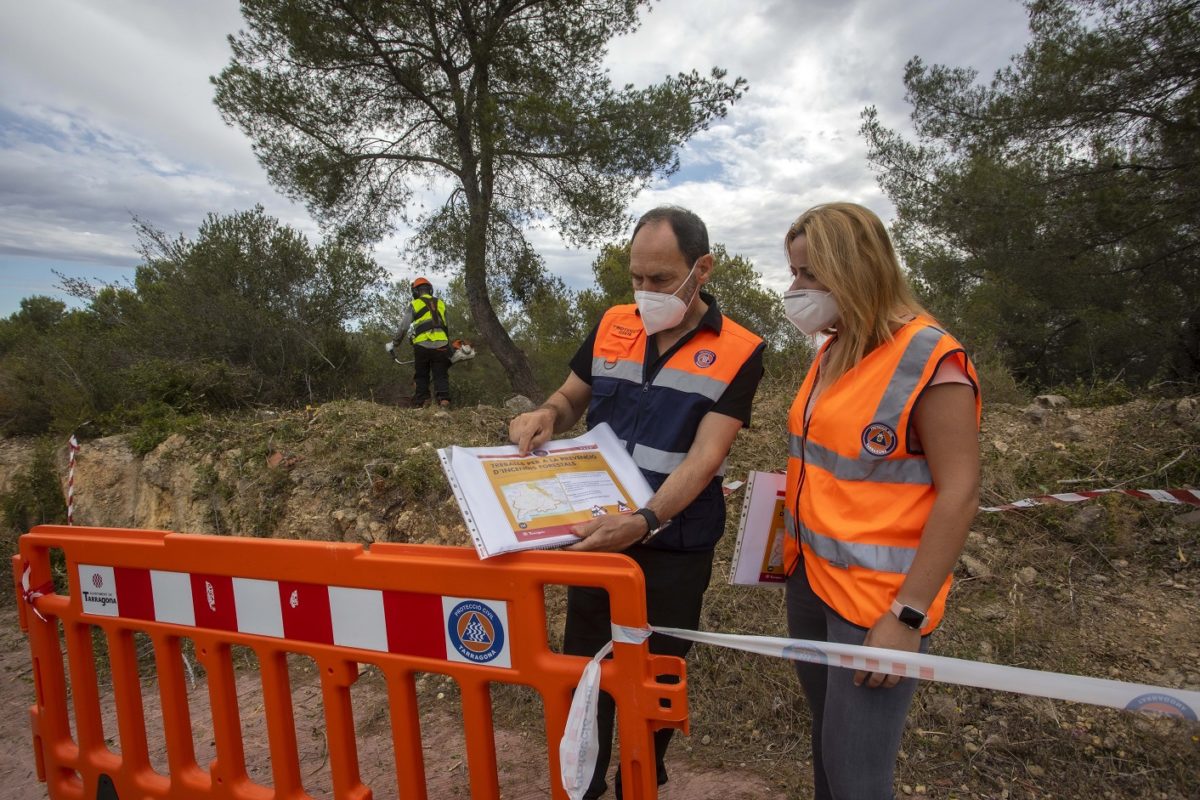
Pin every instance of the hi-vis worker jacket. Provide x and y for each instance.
(859, 489)
(424, 327)
(656, 413)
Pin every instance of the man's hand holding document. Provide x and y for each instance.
(515, 502)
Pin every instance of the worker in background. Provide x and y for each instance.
(424, 324)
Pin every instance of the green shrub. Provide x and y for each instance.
(36, 497)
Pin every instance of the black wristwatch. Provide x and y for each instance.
(652, 525)
(908, 615)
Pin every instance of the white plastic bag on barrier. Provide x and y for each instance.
(578, 748)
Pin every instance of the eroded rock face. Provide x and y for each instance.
(106, 479)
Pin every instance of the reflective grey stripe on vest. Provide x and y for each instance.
(690, 382)
(662, 461)
(795, 446)
(871, 468)
(621, 370)
(907, 375)
(877, 557)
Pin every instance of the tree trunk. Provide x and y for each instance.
(511, 357)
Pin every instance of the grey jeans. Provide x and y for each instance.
(855, 730)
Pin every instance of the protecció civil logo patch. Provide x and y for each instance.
(476, 631)
(705, 359)
(1161, 704)
(879, 439)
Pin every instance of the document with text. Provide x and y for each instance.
(758, 554)
(513, 502)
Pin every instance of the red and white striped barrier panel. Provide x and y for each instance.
(1189, 497)
(461, 629)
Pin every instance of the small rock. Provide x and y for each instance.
(519, 404)
(1027, 575)
(1186, 409)
(706, 739)
(1076, 433)
(1000, 446)
(1035, 771)
(941, 707)
(440, 415)
(1190, 518)
(1098, 578)
(1036, 414)
(1120, 563)
(1052, 401)
(975, 568)
(994, 611)
(1090, 520)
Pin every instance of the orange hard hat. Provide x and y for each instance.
(421, 282)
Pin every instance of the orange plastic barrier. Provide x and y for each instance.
(406, 609)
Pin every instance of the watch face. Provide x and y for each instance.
(911, 617)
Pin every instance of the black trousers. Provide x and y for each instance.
(426, 360)
(675, 584)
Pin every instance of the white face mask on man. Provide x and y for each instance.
(661, 311)
(810, 310)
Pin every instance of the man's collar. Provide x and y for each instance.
(712, 318)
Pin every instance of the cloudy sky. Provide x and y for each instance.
(106, 113)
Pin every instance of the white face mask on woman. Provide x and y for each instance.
(810, 310)
(661, 311)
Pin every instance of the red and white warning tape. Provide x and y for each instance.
(1181, 703)
(73, 447)
(31, 594)
(1189, 497)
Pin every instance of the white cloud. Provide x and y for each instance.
(106, 110)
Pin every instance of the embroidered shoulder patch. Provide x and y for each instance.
(879, 439)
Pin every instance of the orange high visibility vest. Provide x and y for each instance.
(657, 411)
(858, 493)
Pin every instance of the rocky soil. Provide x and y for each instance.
(1107, 588)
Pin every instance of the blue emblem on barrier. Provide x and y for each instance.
(476, 631)
(1163, 705)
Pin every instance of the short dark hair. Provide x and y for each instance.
(690, 232)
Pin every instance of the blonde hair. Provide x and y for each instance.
(850, 253)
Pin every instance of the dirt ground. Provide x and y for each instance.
(522, 755)
(1108, 588)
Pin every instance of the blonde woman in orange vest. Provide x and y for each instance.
(882, 485)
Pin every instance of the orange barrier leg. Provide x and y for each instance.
(481, 739)
(281, 723)
(336, 678)
(406, 734)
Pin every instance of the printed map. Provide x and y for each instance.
(537, 498)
